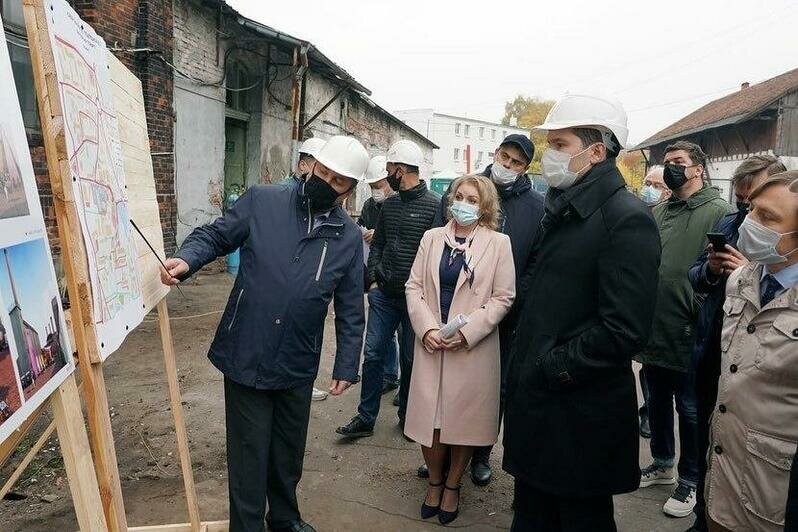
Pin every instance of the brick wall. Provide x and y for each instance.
(132, 24)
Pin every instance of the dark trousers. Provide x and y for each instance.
(704, 377)
(266, 433)
(643, 411)
(482, 454)
(537, 511)
(791, 515)
(665, 385)
(386, 314)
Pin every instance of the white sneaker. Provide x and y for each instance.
(653, 475)
(681, 503)
(319, 395)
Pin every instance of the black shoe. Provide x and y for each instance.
(645, 427)
(396, 400)
(356, 428)
(445, 517)
(428, 511)
(389, 386)
(480, 472)
(422, 471)
(296, 526)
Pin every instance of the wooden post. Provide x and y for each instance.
(77, 456)
(177, 412)
(75, 262)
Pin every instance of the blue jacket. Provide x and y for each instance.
(270, 334)
(713, 289)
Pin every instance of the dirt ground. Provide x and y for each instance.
(369, 485)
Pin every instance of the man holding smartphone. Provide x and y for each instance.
(708, 278)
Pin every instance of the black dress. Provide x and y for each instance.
(449, 273)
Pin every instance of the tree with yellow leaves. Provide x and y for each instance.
(529, 112)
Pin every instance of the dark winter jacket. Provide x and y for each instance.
(403, 220)
(270, 333)
(369, 213)
(571, 427)
(521, 211)
(713, 288)
(683, 225)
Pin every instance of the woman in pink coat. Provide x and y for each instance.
(462, 269)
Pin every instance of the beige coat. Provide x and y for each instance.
(468, 380)
(755, 424)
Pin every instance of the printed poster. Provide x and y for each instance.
(98, 174)
(35, 355)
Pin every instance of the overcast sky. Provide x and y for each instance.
(662, 60)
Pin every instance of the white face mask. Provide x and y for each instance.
(378, 194)
(651, 195)
(555, 168)
(758, 243)
(501, 175)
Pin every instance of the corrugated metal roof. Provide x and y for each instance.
(730, 109)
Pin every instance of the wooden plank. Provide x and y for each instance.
(11, 443)
(177, 412)
(43, 437)
(210, 526)
(75, 261)
(77, 456)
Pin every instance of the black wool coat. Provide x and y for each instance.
(587, 304)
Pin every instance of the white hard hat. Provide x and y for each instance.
(581, 110)
(405, 152)
(312, 146)
(376, 171)
(345, 156)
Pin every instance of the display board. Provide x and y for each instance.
(98, 173)
(143, 203)
(35, 352)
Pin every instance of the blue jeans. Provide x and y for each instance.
(391, 359)
(386, 314)
(663, 386)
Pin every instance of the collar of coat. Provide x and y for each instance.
(706, 194)
(413, 193)
(748, 280)
(589, 194)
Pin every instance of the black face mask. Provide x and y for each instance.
(321, 194)
(674, 176)
(394, 181)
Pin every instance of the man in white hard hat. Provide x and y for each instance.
(307, 158)
(299, 252)
(402, 222)
(570, 424)
(376, 178)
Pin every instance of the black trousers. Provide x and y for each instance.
(705, 377)
(537, 511)
(266, 433)
(791, 516)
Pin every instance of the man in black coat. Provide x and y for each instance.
(521, 211)
(587, 302)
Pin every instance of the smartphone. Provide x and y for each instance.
(718, 241)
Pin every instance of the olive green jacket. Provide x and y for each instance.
(683, 225)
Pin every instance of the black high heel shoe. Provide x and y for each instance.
(428, 511)
(445, 517)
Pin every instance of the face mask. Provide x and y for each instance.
(758, 243)
(464, 213)
(378, 194)
(555, 168)
(394, 181)
(321, 194)
(650, 195)
(674, 176)
(502, 176)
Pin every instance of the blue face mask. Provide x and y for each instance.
(464, 213)
(650, 194)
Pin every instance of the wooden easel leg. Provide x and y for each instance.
(177, 413)
(75, 449)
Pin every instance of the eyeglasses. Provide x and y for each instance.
(504, 158)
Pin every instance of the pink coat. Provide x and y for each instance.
(469, 379)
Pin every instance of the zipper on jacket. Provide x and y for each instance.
(235, 311)
(321, 261)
